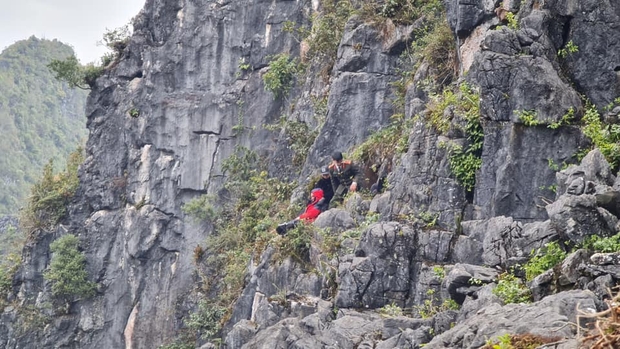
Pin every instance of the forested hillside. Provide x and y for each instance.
(40, 117)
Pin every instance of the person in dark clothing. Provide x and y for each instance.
(312, 211)
(345, 175)
(325, 183)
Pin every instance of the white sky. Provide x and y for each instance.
(78, 23)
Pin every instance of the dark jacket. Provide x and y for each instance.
(344, 175)
(328, 191)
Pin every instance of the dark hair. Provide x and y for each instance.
(337, 156)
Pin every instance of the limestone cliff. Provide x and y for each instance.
(189, 89)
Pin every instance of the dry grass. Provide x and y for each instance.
(605, 331)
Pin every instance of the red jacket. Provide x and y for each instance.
(312, 211)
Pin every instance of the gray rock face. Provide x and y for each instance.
(465, 15)
(589, 25)
(536, 318)
(381, 271)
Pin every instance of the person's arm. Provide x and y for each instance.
(356, 174)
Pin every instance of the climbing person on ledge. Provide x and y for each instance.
(345, 176)
(325, 183)
(312, 211)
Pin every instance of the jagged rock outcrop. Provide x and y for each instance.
(436, 245)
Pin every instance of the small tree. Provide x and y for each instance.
(67, 272)
(76, 75)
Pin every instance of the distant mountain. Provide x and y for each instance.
(40, 117)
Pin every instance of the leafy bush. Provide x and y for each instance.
(527, 117)
(73, 73)
(510, 289)
(464, 161)
(50, 196)
(279, 79)
(568, 49)
(602, 244)
(391, 310)
(605, 137)
(206, 320)
(430, 307)
(385, 143)
(327, 29)
(243, 224)
(519, 341)
(543, 259)
(67, 271)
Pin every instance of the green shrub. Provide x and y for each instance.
(543, 259)
(385, 143)
(50, 196)
(602, 244)
(527, 117)
(513, 21)
(244, 223)
(67, 272)
(605, 137)
(510, 289)
(568, 49)
(279, 79)
(73, 73)
(429, 308)
(391, 310)
(207, 320)
(296, 242)
(327, 29)
(464, 161)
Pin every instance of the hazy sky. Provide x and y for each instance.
(79, 23)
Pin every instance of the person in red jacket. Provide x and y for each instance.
(312, 211)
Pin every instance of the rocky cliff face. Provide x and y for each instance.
(193, 71)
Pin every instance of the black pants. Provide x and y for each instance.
(284, 227)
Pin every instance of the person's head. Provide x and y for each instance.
(325, 172)
(337, 156)
(316, 195)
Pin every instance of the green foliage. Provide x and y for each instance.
(279, 78)
(602, 244)
(527, 117)
(429, 218)
(513, 21)
(206, 320)
(464, 161)
(296, 242)
(134, 112)
(385, 143)
(429, 308)
(437, 48)
(299, 137)
(73, 73)
(117, 39)
(391, 310)
(40, 117)
(510, 289)
(439, 272)
(201, 208)
(403, 11)
(605, 137)
(50, 196)
(178, 345)
(567, 119)
(11, 245)
(568, 49)
(244, 222)
(67, 271)
(543, 259)
(326, 31)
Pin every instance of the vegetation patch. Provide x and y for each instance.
(67, 272)
(50, 196)
(605, 137)
(519, 341)
(243, 225)
(430, 306)
(511, 289)
(279, 78)
(464, 160)
(602, 244)
(543, 259)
